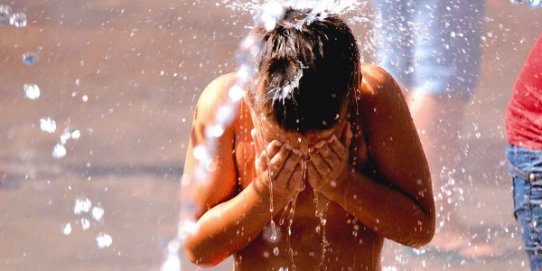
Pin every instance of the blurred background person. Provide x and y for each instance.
(524, 153)
(433, 49)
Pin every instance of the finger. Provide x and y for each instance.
(314, 176)
(256, 139)
(346, 135)
(278, 160)
(320, 164)
(289, 167)
(272, 148)
(338, 148)
(296, 180)
(261, 163)
(329, 155)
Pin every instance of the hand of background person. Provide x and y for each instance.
(281, 164)
(329, 162)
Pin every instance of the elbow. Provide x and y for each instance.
(419, 234)
(202, 257)
(423, 232)
(423, 238)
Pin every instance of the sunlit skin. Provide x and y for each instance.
(386, 193)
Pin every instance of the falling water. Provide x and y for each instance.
(531, 3)
(249, 48)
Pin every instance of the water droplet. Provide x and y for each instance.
(82, 206)
(76, 134)
(188, 227)
(273, 12)
(5, 11)
(85, 224)
(18, 19)
(271, 233)
(84, 98)
(535, 3)
(97, 213)
(59, 151)
(67, 229)
(65, 137)
(31, 91)
(276, 251)
(172, 263)
(200, 153)
(48, 125)
(225, 114)
(216, 130)
(236, 93)
(210, 165)
(30, 58)
(104, 240)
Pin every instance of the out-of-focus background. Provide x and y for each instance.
(125, 75)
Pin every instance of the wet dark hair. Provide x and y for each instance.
(310, 71)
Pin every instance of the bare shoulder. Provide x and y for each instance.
(213, 96)
(392, 139)
(380, 95)
(377, 82)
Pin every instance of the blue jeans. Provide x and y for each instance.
(431, 45)
(526, 171)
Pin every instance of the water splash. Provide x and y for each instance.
(104, 240)
(85, 224)
(321, 205)
(59, 151)
(30, 58)
(287, 91)
(530, 3)
(18, 19)
(172, 262)
(68, 134)
(31, 91)
(48, 125)
(67, 229)
(5, 13)
(98, 213)
(82, 206)
(249, 48)
(317, 6)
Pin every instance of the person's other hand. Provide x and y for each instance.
(329, 162)
(280, 164)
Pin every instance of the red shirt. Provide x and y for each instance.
(524, 117)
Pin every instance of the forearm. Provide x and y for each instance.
(386, 209)
(228, 227)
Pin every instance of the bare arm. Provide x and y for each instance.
(227, 222)
(394, 196)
